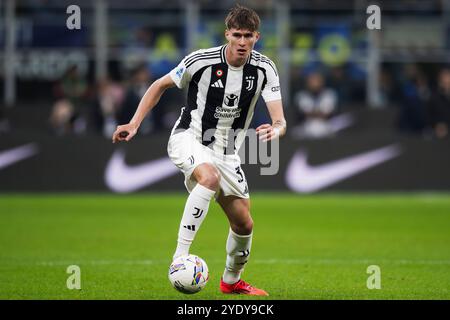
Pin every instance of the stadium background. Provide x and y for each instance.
(64, 91)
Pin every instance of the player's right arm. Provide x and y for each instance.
(151, 97)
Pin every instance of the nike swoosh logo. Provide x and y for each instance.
(301, 177)
(10, 157)
(122, 178)
(341, 122)
(335, 124)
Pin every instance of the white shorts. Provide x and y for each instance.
(187, 153)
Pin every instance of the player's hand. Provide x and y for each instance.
(124, 133)
(267, 132)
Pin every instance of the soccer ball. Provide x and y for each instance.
(188, 273)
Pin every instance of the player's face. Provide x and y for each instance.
(241, 42)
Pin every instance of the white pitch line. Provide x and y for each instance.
(353, 261)
(255, 261)
(99, 262)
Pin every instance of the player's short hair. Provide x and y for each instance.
(241, 17)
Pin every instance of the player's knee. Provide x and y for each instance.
(209, 176)
(248, 226)
(211, 181)
(244, 228)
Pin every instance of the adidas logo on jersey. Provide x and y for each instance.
(217, 84)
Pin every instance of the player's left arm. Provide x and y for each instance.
(272, 96)
(277, 129)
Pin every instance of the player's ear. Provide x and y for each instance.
(227, 34)
(257, 35)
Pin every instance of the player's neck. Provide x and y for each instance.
(234, 61)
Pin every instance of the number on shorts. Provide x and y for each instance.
(238, 171)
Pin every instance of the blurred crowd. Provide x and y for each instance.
(322, 96)
(421, 102)
(79, 108)
(321, 103)
(424, 106)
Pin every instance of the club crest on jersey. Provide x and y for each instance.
(231, 100)
(219, 73)
(249, 80)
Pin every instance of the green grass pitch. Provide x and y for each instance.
(304, 247)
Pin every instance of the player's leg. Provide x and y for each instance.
(239, 239)
(197, 204)
(238, 245)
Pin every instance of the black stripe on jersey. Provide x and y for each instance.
(222, 54)
(202, 58)
(263, 85)
(265, 60)
(186, 118)
(201, 54)
(249, 58)
(195, 57)
(255, 56)
(268, 62)
(248, 91)
(214, 99)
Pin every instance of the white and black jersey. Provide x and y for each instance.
(221, 98)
